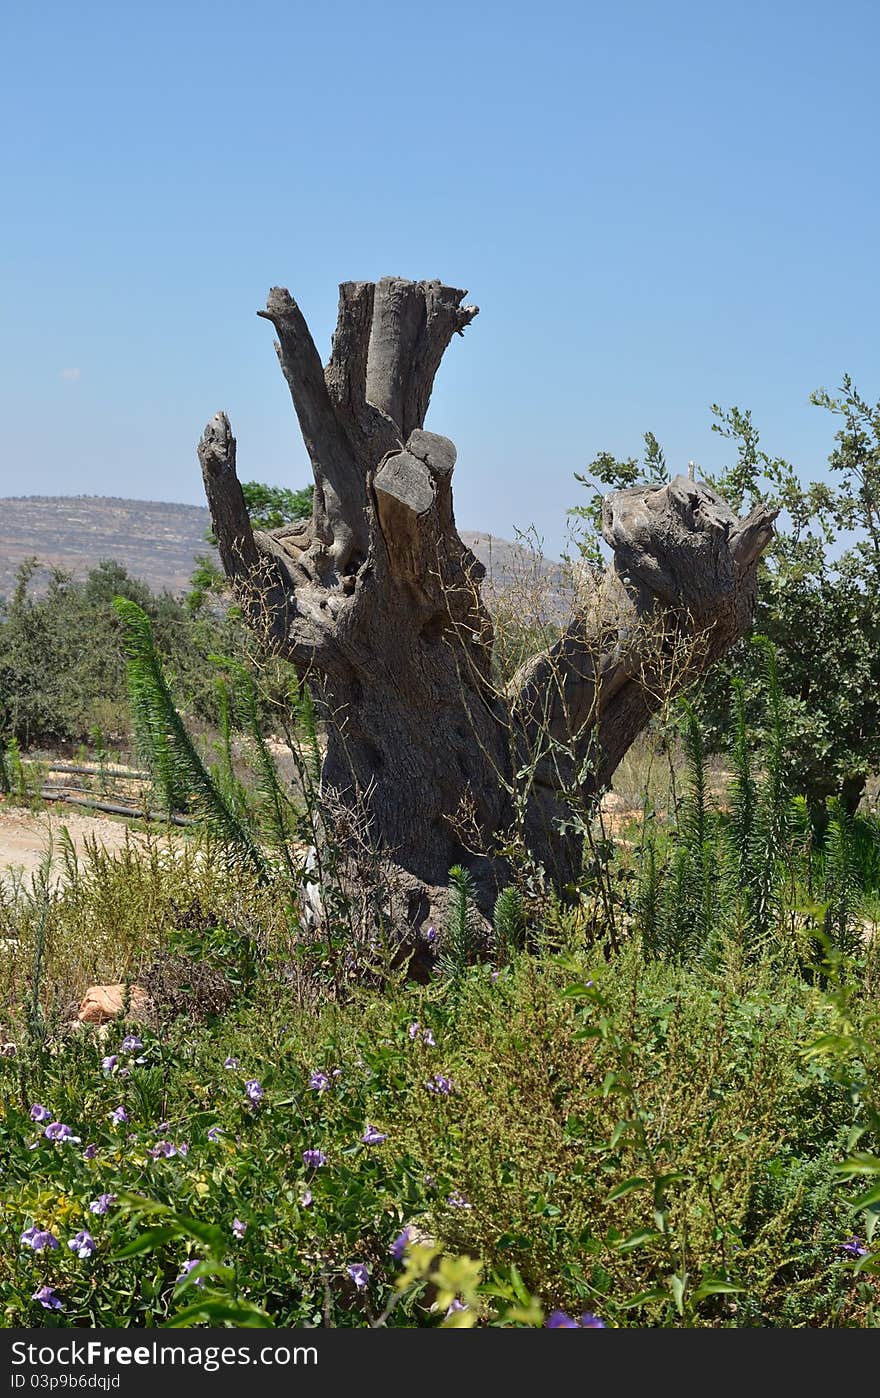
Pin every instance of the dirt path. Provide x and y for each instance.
(25, 835)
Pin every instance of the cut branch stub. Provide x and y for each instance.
(679, 591)
(232, 525)
(413, 323)
(414, 508)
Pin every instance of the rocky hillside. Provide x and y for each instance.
(158, 541)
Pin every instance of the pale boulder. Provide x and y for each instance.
(104, 1002)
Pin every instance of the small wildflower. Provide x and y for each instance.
(440, 1084)
(164, 1148)
(90, 1151)
(336, 1073)
(428, 1038)
(373, 1137)
(102, 1203)
(162, 1127)
(314, 1159)
(183, 1149)
(109, 1063)
(853, 1247)
(38, 1238)
(400, 1244)
(213, 1133)
(413, 1030)
(457, 1200)
(455, 1305)
(558, 1320)
(238, 1228)
(40, 1113)
(130, 1044)
(187, 1268)
(118, 1116)
(430, 935)
(319, 1082)
(253, 1089)
(232, 1063)
(493, 975)
(47, 1298)
(57, 1131)
(83, 1244)
(359, 1274)
(308, 1199)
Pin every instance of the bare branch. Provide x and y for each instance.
(339, 478)
(232, 525)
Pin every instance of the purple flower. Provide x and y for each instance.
(455, 1305)
(373, 1137)
(457, 1200)
(253, 1089)
(162, 1127)
(441, 1085)
(38, 1238)
(47, 1298)
(336, 1073)
(187, 1268)
(318, 1081)
(413, 1030)
(558, 1320)
(232, 1063)
(213, 1133)
(314, 1159)
(109, 1063)
(428, 1038)
(83, 1244)
(430, 934)
(400, 1244)
(853, 1248)
(102, 1203)
(118, 1116)
(308, 1199)
(163, 1148)
(40, 1113)
(90, 1151)
(493, 975)
(57, 1131)
(359, 1274)
(238, 1228)
(130, 1044)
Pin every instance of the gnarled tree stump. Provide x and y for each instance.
(378, 599)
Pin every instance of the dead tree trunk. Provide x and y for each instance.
(378, 599)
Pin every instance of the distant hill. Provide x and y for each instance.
(158, 541)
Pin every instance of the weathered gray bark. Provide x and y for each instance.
(378, 597)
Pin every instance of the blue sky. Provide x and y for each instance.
(656, 207)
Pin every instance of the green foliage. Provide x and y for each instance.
(179, 773)
(271, 506)
(818, 595)
(660, 1145)
(62, 672)
(508, 924)
(461, 942)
